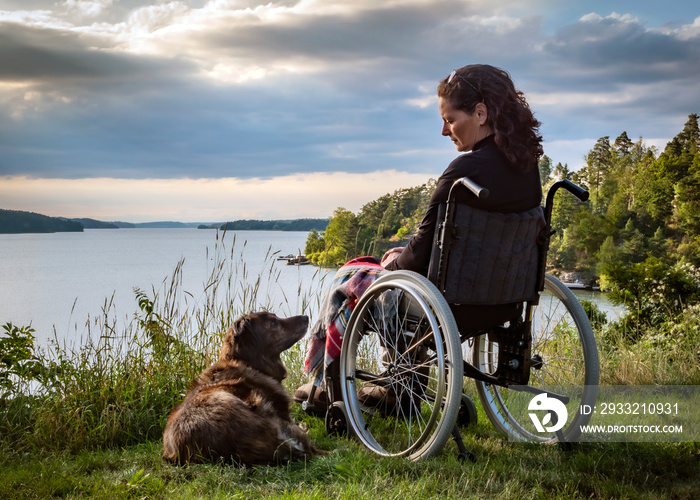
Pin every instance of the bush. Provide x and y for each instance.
(597, 317)
(665, 355)
(655, 292)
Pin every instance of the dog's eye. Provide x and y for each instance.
(273, 323)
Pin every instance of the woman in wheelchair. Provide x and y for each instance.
(490, 122)
(480, 253)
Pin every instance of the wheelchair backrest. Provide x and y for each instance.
(487, 258)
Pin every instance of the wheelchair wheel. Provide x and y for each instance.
(401, 367)
(566, 363)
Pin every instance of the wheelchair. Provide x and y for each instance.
(398, 382)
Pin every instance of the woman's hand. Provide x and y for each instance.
(391, 255)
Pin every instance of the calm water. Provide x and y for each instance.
(58, 281)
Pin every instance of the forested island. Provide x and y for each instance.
(271, 225)
(16, 221)
(96, 224)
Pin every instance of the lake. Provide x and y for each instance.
(56, 282)
(59, 280)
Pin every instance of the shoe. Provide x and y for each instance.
(319, 403)
(376, 396)
(385, 401)
(380, 398)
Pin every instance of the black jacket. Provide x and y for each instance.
(510, 191)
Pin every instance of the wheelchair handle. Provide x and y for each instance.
(580, 193)
(480, 192)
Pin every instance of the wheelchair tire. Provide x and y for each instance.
(565, 348)
(401, 367)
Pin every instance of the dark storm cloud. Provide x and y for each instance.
(135, 116)
(623, 49)
(621, 76)
(380, 33)
(52, 56)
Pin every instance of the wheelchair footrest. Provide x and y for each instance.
(514, 349)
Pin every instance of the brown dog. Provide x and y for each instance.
(237, 409)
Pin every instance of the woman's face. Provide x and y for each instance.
(464, 129)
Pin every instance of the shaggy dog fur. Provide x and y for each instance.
(237, 409)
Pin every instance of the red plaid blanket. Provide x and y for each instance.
(348, 285)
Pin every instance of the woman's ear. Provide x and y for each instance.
(482, 113)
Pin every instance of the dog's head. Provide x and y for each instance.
(258, 339)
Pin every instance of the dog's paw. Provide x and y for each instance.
(321, 453)
(304, 427)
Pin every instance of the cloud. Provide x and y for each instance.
(609, 74)
(620, 45)
(88, 8)
(234, 88)
(689, 31)
(172, 90)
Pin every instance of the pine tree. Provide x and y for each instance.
(598, 164)
(689, 138)
(545, 165)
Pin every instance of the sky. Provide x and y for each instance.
(215, 110)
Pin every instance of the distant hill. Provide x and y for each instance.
(16, 221)
(96, 224)
(156, 225)
(275, 225)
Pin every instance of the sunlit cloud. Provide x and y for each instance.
(689, 31)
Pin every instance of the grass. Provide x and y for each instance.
(89, 423)
(503, 470)
(662, 357)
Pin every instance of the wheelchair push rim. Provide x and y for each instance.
(403, 338)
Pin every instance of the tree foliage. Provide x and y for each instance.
(640, 232)
(388, 221)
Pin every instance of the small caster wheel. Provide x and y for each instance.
(467, 414)
(337, 419)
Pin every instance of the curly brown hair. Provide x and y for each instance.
(516, 131)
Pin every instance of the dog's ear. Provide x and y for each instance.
(240, 326)
(234, 332)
